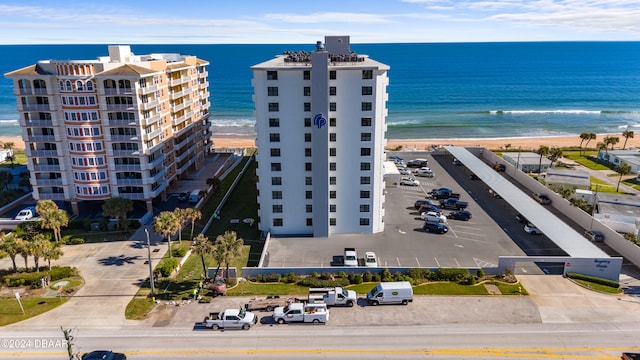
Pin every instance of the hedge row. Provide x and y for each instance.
(594, 279)
(33, 279)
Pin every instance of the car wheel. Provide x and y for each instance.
(280, 321)
(215, 327)
(245, 327)
(405, 302)
(375, 303)
(316, 321)
(350, 304)
(269, 308)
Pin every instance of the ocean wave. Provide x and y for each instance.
(233, 122)
(9, 122)
(524, 112)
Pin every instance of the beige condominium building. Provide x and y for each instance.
(123, 125)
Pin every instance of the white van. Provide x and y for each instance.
(195, 196)
(397, 292)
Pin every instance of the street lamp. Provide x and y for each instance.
(153, 292)
(593, 209)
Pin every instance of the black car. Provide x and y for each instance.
(434, 227)
(594, 235)
(499, 167)
(104, 355)
(522, 219)
(542, 198)
(420, 202)
(463, 215)
(183, 196)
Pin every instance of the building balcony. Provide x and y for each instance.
(49, 182)
(51, 196)
(159, 190)
(34, 107)
(178, 119)
(150, 120)
(54, 168)
(125, 138)
(149, 104)
(38, 123)
(182, 80)
(127, 182)
(41, 138)
(133, 196)
(157, 176)
(152, 134)
(31, 91)
(129, 167)
(178, 94)
(147, 89)
(125, 152)
(94, 196)
(156, 162)
(123, 123)
(121, 91)
(42, 153)
(121, 107)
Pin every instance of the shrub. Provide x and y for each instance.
(342, 275)
(355, 278)
(593, 279)
(454, 275)
(33, 279)
(326, 276)
(181, 251)
(315, 274)
(376, 278)
(204, 300)
(480, 274)
(266, 278)
(419, 275)
(231, 282)
(319, 282)
(168, 265)
(366, 277)
(290, 278)
(386, 275)
(72, 240)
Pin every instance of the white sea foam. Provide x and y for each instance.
(524, 112)
(8, 122)
(233, 122)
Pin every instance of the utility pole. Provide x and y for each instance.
(593, 209)
(153, 292)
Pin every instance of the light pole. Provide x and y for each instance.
(153, 292)
(593, 209)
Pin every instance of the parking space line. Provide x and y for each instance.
(418, 261)
(437, 262)
(398, 260)
(474, 240)
(473, 233)
(457, 263)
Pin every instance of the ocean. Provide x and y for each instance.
(436, 90)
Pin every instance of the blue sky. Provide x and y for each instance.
(299, 21)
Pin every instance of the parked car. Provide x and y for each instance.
(183, 196)
(397, 160)
(370, 259)
(474, 177)
(104, 355)
(433, 216)
(494, 194)
(417, 163)
(26, 213)
(499, 167)
(424, 171)
(404, 171)
(532, 229)
(429, 207)
(421, 202)
(434, 227)
(409, 181)
(460, 215)
(542, 198)
(594, 235)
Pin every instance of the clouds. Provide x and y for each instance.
(291, 21)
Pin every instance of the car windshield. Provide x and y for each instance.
(242, 314)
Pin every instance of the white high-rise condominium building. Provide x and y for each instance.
(120, 126)
(320, 124)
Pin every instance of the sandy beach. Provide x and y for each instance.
(423, 144)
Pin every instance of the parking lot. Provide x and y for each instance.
(474, 243)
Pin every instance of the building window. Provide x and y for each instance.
(307, 137)
(276, 180)
(332, 180)
(332, 122)
(332, 221)
(332, 151)
(306, 75)
(365, 194)
(274, 122)
(307, 122)
(309, 222)
(307, 91)
(364, 208)
(276, 167)
(273, 137)
(273, 91)
(364, 221)
(332, 106)
(332, 75)
(367, 74)
(307, 166)
(364, 166)
(365, 122)
(277, 195)
(274, 107)
(307, 106)
(308, 180)
(308, 194)
(275, 152)
(309, 208)
(366, 106)
(365, 136)
(277, 208)
(277, 222)
(365, 151)
(367, 90)
(332, 136)
(273, 75)
(332, 208)
(365, 180)
(332, 166)
(332, 194)
(332, 90)
(307, 152)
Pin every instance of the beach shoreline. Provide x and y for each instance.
(523, 143)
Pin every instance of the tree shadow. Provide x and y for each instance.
(118, 260)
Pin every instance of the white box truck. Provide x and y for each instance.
(298, 312)
(397, 292)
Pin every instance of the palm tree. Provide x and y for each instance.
(202, 247)
(622, 169)
(219, 254)
(39, 247)
(555, 154)
(232, 246)
(180, 218)
(52, 218)
(583, 137)
(543, 150)
(602, 146)
(611, 140)
(9, 146)
(592, 136)
(11, 244)
(215, 183)
(53, 253)
(193, 214)
(25, 252)
(165, 225)
(44, 206)
(627, 134)
(118, 207)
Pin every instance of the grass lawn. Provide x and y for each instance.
(602, 186)
(445, 288)
(138, 308)
(10, 309)
(598, 287)
(97, 236)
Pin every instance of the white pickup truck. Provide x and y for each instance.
(231, 319)
(298, 312)
(333, 296)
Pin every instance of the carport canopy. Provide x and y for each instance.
(569, 240)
